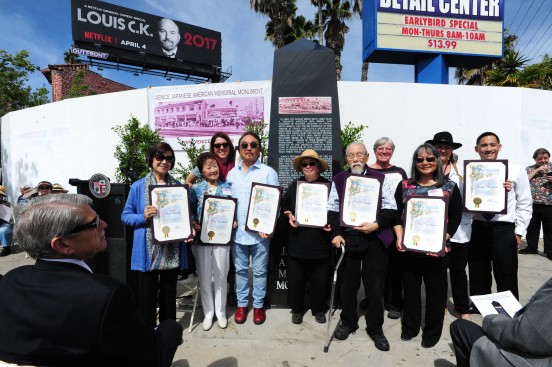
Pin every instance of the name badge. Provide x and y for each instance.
(435, 192)
(227, 191)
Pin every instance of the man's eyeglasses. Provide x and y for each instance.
(427, 159)
(357, 156)
(94, 223)
(44, 187)
(221, 145)
(161, 158)
(253, 145)
(307, 164)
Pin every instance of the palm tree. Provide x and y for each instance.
(70, 58)
(334, 14)
(508, 72)
(280, 13)
(318, 3)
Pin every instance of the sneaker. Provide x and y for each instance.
(222, 322)
(207, 323)
(342, 332)
(297, 318)
(320, 317)
(394, 315)
(5, 251)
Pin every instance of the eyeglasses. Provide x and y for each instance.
(94, 223)
(44, 187)
(253, 145)
(308, 164)
(427, 159)
(221, 145)
(357, 156)
(161, 158)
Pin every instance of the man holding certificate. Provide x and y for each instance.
(248, 244)
(496, 238)
(352, 198)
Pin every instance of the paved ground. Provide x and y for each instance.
(280, 343)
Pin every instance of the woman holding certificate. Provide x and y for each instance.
(427, 180)
(156, 265)
(309, 239)
(458, 257)
(212, 260)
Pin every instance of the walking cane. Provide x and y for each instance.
(194, 308)
(328, 336)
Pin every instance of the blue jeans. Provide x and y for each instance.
(259, 264)
(6, 234)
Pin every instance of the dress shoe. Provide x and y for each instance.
(259, 315)
(380, 341)
(5, 251)
(207, 323)
(320, 317)
(241, 315)
(527, 251)
(342, 332)
(428, 344)
(394, 315)
(222, 322)
(297, 318)
(405, 337)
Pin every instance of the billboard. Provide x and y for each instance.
(465, 31)
(137, 38)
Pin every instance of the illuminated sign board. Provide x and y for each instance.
(132, 36)
(463, 28)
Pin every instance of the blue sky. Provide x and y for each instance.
(44, 29)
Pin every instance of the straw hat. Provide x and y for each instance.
(58, 189)
(309, 153)
(30, 192)
(3, 191)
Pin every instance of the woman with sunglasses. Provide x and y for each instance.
(458, 257)
(221, 146)
(309, 249)
(156, 266)
(427, 179)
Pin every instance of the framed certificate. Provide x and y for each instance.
(425, 226)
(361, 200)
(310, 204)
(172, 222)
(263, 209)
(219, 214)
(483, 189)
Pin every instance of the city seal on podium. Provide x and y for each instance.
(99, 185)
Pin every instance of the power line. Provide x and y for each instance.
(515, 16)
(536, 32)
(524, 16)
(531, 21)
(544, 44)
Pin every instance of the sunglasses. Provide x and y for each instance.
(161, 158)
(221, 145)
(427, 159)
(253, 145)
(94, 223)
(44, 187)
(307, 164)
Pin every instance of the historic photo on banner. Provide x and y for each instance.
(264, 207)
(172, 223)
(310, 205)
(361, 200)
(425, 224)
(219, 214)
(484, 191)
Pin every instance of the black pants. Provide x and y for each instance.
(432, 270)
(457, 261)
(370, 264)
(393, 294)
(169, 333)
(493, 248)
(541, 213)
(152, 283)
(464, 334)
(315, 271)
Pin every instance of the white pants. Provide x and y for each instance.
(212, 261)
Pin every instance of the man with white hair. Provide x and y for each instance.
(57, 312)
(366, 252)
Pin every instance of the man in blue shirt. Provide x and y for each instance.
(249, 244)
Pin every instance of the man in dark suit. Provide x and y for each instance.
(57, 312)
(524, 340)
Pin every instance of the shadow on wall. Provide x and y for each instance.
(25, 169)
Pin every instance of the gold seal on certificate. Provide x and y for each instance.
(219, 214)
(172, 223)
(425, 224)
(264, 207)
(310, 204)
(361, 200)
(483, 189)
